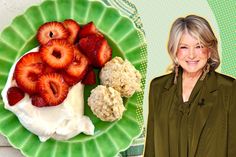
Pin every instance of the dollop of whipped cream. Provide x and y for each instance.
(60, 122)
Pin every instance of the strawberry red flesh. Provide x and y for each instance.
(73, 28)
(27, 71)
(51, 30)
(70, 80)
(14, 95)
(103, 54)
(52, 88)
(90, 78)
(38, 101)
(89, 29)
(57, 53)
(96, 49)
(78, 67)
(47, 69)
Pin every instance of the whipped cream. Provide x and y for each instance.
(60, 122)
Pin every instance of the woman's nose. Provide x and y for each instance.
(192, 53)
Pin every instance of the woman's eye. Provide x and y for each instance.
(183, 47)
(199, 46)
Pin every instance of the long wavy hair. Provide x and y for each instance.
(199, 28)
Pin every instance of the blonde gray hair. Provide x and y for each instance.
(199, 28)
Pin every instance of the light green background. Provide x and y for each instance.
(157, 18)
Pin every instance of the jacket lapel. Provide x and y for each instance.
(206, 101)
(168, 92)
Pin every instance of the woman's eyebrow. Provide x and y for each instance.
(183, 44)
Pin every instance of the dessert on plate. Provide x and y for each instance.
(106, 103)
(122, 76)
(45, 87)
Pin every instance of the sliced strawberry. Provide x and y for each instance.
(51, 30)
(103, 54)
(73, 28)
(96, 49)
(38, 101)
(27, 71)
(52, 88)
(89, 29)
(47, 69)
(79, 66)
(90, 43)
(90, 78)
(70, 80)
(14, 95)
(57, 53)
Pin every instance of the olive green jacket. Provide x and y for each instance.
(213, 131)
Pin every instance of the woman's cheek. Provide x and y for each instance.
(181, 54)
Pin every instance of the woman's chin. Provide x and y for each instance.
(192, 70)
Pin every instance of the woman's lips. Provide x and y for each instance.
(192, 62)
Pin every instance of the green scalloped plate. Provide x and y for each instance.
(126, 41)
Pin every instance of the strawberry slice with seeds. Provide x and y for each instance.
(103, 54)
(57, 53)
(38, 101)
(70, 80)
(47, 69)
(51, 30)
(27, 71)
(78, 67)
(89, 29)
(90, 43)
(14, 95)
(97, 50)
(52, 88)
(73, 28)
(90, 78)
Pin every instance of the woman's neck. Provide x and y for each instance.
(189, 80)
(191, 76)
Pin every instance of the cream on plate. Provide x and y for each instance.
(60, 122)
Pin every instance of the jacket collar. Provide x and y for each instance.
(170, 82)
(211, 84)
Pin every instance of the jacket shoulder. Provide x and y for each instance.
(161, 80)
(224, 80)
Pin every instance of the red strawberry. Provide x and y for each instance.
(103, 54)
(79, 66)
(51, 30)
(47, 69)
(14, 95)
(73, 29)
(90, 78)
(70, 80)
(52, 88)
(27, 71)
(90, 43)
(96, 49)
(57, 53)
(89, 29)
(38, 101)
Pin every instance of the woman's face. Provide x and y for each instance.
(191, 54)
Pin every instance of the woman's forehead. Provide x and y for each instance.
(188, 37)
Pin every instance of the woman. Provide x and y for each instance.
(192, 110)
